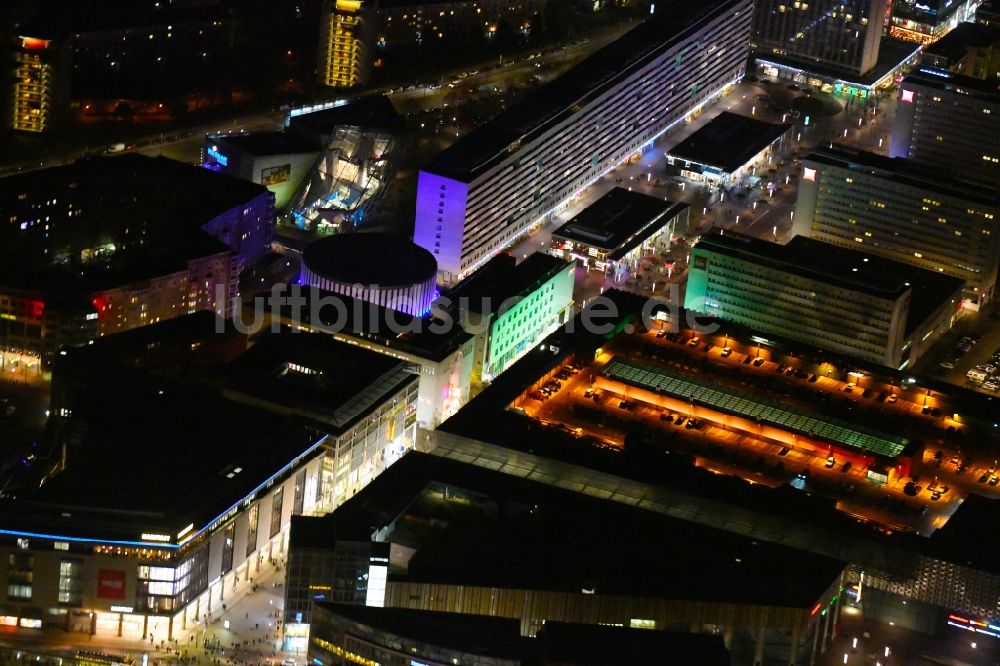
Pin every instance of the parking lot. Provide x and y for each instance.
(570, 401)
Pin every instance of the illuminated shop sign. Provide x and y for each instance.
(213, 152)
(975, 626)
(146, 536)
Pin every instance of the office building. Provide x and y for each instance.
(949, 121)
(375, 268)
(619, 230)
(462, 539)
(843, 36)
(895, 209)
(512, 307)
(729, 148)
(347, 37)
(926, 21)
(843, 300)
(279, 161)
(107, 244)
(502, 179)
(297, 424)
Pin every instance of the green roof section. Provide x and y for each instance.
(663, 381)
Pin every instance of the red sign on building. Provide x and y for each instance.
(110, 584)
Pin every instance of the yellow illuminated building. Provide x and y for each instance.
(32, 85)
(344, 49)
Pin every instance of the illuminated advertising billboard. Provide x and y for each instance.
(110, 584)
(275, 175)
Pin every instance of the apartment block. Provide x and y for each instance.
(900, 210)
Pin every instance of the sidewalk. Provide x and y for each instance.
(253, 635)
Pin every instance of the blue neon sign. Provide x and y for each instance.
(213, 152)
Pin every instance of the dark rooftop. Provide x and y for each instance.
(502, 277)
(619, 221)
(944, 80)
(963, 37)
(139, 438)
(152, 209)
(372, 111)
(844, 268)
(961, 540)
(552, 103)
(905, 172)
(202, 334)
(473, 634)
(728, 141)
(519, 533)
(400, 331)
(370, 259)
(260, 144)
(144, 444)
(590, 645)
(315, 377)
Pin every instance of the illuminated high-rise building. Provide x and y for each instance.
(842, 35)
(34, 80)
(346, 35)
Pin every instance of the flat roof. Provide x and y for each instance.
(601, 644)
(164, 202)
(374, 258)
(371, 111)
(502, 278)
(483, 635)
(262, 144)
(551, 104)
(728, 142)
(560, 540)
(313, 376)
(487, 432)
(154, 452)
(938, 79)
(904, 171)
(892, 53)
(964, 36)
(619, 221)
(154, 455)
(834, 431)
(844, 268)
(405, 333)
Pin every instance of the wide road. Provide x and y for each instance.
(186, 144)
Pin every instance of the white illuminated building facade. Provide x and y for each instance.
(500, 181)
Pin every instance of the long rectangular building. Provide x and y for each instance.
(844, 301)
(893, 208)
(169, 492)
(949, 121)
(498, 182)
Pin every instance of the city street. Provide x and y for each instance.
(761, 211)
(247, 633)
